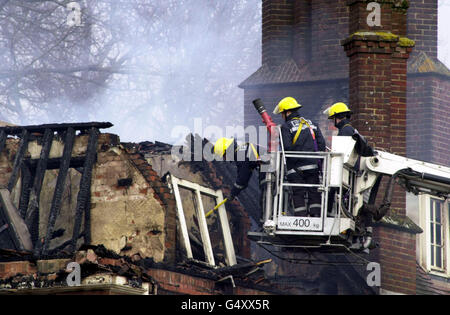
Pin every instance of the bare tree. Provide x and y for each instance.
(135, 62)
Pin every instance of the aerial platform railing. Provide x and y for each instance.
(280, 218)
(279, 221)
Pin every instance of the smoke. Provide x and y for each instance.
(156, 65)
(443, 34)
(144, 65)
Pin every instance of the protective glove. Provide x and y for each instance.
(230, 197)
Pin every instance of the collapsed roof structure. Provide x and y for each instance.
(71, 193)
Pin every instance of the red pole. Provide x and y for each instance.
(271, 126)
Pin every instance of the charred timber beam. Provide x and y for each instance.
(25, 190)
(3, 137)
(18, 159)
(55, 163)
(87, 220)
(56, 127)
(59, 189)
(85, 184)
(32, 212)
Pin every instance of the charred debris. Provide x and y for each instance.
(47, 222)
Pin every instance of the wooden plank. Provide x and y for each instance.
(18, 159)
(15, 222)
(32, 213)
(226, 233)
(181, 218)
(85, 184)
(59, 189)
(204, 230)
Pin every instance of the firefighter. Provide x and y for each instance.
(247, 160)
(299, 134)
(341, 115)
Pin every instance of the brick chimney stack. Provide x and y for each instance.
(277, 26)
(379, 50)
(378, 68)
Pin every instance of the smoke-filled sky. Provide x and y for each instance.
(147, 66)
(127, 128)
(444, 31)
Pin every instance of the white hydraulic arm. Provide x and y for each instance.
(413, 175)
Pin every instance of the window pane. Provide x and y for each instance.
(439, 257)
(438, 235)
(432, 233)
(431, 210)
(432, 255)
(438, 211)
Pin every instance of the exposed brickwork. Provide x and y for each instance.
(423, 26)
(179, 283)
(277, 23)
(167, 200)
(302, 32)
(396, 256)
(170, 282)
(428, 115)
(10, 269)
(378, 88)
(378, 72)
(329, 24)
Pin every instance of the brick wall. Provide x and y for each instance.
(396, 255)
(170, 282)
(10, 269)
(277, 26)
(130, 217)
(329, 24)
(165, 197)
(302, 32)
(428, 115)
(423, 26)
(378, 71)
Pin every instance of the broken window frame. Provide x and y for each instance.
(199, 190)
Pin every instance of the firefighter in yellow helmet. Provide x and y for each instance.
(341, 115)
(300, 134)
(247, 158)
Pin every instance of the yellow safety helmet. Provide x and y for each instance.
(222, 146)
(338, 108)
(285, 104)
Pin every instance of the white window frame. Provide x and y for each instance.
(424, 238)
(199, 190)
